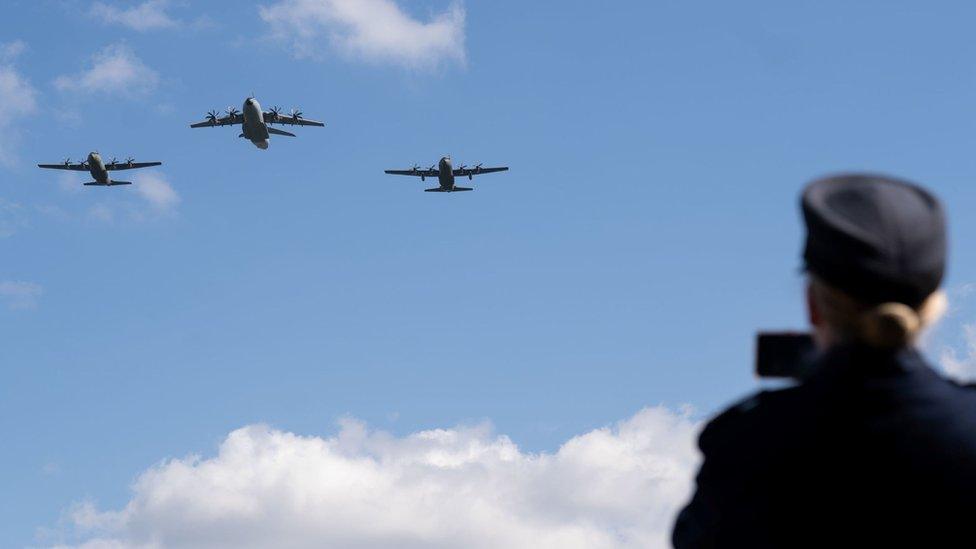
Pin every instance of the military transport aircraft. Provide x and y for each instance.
(445, 175)
(255, 123)
(98, 169)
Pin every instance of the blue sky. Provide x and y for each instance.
(648, 226)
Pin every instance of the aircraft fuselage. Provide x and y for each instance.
(446, 174)
(254, 129)
(97, 169)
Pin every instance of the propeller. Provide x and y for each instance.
(470, 172)
(113, 162)
(415, 167)
(67, 162)
(212, 116)
(478, 167)
(296, 113)
(431, 168)
(130, 160)
(81, 163)
(275, 112)
(232, 111)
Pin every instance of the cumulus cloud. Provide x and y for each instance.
(18, 98)
(114, 70)
(618, 486)
(20, 295)
(373, 30)
(952, 339)
(148, 15)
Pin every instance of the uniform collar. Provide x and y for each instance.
(857, 360)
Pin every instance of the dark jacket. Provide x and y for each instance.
(874, 450)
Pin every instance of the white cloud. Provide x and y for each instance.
(157, 191)
(20, 295)
(961, 365)
(18, 99)
(148, 15)
(374, 30)
(114, 70)
(463, 487)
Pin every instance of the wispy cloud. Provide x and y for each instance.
(12, 218)
(12, 50)
(102, 212)
(158, 200)
(157, 192)
(372, 30)
(20, 295)
(114, 70)
(18, 99)
(463, 487)
(149, 15)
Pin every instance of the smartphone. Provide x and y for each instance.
(784, 355)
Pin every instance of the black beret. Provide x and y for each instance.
(876, 238)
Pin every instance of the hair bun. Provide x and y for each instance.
(890, 325)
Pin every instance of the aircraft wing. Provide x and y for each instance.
(415, 173)
(77, 167)
(229, 120)
(272, 118)
(467, 172)
(130, 165)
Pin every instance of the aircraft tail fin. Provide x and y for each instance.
(276, 131)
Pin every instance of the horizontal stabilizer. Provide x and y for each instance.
(111, 184)
(442, 190)
(276, 131)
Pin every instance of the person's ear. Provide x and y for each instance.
(813, 312)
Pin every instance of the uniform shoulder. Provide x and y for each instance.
(742, 418)
(964, 390)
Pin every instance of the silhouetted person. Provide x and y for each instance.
(874, 448)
